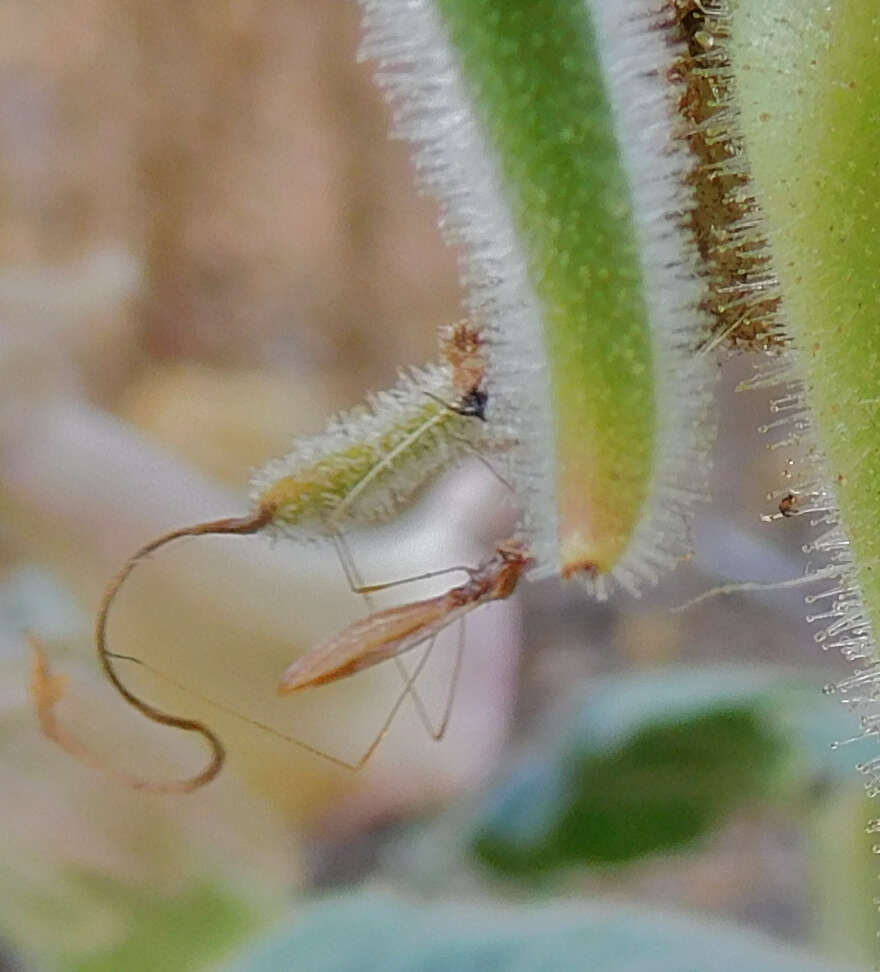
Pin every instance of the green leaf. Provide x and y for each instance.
(363, 932)
(652, 762)
(186, 931)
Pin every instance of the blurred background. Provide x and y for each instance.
(207, 245)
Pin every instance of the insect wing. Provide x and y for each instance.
(367, 642)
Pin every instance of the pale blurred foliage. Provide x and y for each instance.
(205, 232)
(226, 421)
(72, 843)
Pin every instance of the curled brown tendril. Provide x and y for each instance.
(47, 689)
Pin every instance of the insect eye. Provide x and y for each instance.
(474, 403)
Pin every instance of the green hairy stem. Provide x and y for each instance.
(808, 80)
(542, 96)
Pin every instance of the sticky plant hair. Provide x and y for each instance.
(579, 267)
(742, 294)
(807, 92)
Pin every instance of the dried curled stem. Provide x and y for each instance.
(47, 689)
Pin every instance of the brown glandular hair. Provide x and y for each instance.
(742, 293)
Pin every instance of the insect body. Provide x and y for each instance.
(381, 636)
(388, 633)
(361, 469)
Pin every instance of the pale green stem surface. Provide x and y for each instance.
(843, 875)
(808, 78)
(531, 67)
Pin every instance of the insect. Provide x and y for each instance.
(381, 636)
(391, 632)
(388, 633)
(367, 463)
(788, 504)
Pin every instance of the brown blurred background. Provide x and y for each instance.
(237, 153)
(205, 229)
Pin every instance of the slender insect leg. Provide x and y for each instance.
(375, 588)
(453, 684)
(408, 689)
(354, 577)
(356, 583)
(438, 733)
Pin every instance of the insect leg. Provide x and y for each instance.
(355, 582)
(408, 689)
(353, 575)
(453, 684)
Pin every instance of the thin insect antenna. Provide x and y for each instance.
(457, 409)
(235, 713)
(475, 452)
(443, 402)
(46, 689)
(277, 733)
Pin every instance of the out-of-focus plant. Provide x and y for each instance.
(191, 614)
(632, 773)
(89, 876)
(569, 191)
(382, 932)
(631, 188)
(806, 81)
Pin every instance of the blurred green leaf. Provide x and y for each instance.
(365, 931)
(652, 762)
(182, 932)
